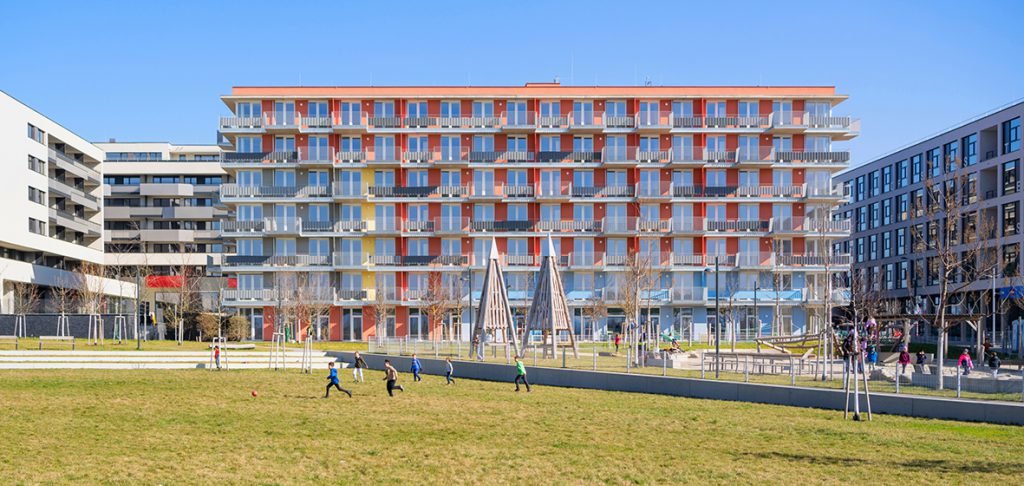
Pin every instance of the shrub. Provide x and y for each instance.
(209, 325)
(238, 328)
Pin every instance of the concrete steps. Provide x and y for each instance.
(64, 359)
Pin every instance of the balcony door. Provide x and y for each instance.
(284, 112)
(550, 182)
(648, 114)
(285, 217)
(483, 182)
(516, 114)
(782, 112)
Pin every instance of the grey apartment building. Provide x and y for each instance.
(889, 197)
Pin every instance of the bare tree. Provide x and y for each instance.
(595, 308)
(382, 307)
(184, 298)
(90, 279)
(438, 302)
(65, 295)
(633, 283)
(25, 297)
(956, 242)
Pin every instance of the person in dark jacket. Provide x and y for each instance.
(919, 364)
(333, 381)
(415, 368)
(357, 367)
(993, 364)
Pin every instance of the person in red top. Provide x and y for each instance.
(618, 339)
(216, 356)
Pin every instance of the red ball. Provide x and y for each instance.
(254, 393)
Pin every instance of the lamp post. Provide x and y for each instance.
(718, 322)
(138, 298)
(993, 306)
(757, 317)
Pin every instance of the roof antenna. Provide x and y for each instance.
(647, 80)
(557, 80)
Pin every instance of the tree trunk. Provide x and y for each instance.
(940, 353)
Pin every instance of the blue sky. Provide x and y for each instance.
(153, 72)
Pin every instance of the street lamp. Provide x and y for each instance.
(757, 317)
(718, 319)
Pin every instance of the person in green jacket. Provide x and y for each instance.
(521, 374)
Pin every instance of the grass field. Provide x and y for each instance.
(201, 427)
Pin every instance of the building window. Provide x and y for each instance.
(36, 196)
(901, 239)
(873, 211)
(859, 249)
(862, 218)
(875, 186)
(919, 206)
(859, 189)
(36, 165)
(873, 247)
(951, 152)
(970, 149)
(901, 173)
(1010, 176)
(1011, 135)
(36, 226)
(1011, 260)
(970, 188)
(934, 159)
(902, 207)
(886, 244)
(886, 179)
(915, 169)
(1011, 224)
(36, 134)
(886, 212)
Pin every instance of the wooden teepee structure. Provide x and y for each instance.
(494, 316)
(549, 311)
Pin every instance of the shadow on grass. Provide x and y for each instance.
(932, 465)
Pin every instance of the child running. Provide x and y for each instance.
(333, 377)
(415, 368)
(357, 368)
(449, 370)
(521, 375)
(391, 375)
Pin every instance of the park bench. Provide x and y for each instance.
(57, 339)
(9, 339)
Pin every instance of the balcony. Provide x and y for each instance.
(316, 155)
(277, 261)
(582, 225)
(257, 295)
(75, 222)
(552, 191)
(350, 120)
(810, 225)
(737, 225)
(620, 121)
(419, 260)
(644, 225)
(501, 191)
(237, 191)
(635, 155)
(261, 159)
(584, 120)
(810, 156)
(767, 191)
(73, 165)
(729, 121)
(653, 120)
(653, 190)
(382, 156)
(263, 225)
(348, 189)
(316, 124)
(519, 120)
(350, 157)
(241, 123)
(512, 226)
(602, 191)
(720, 156)
(519, 260)
(803, 121)
(583, 156)
(679, 259)
(812, 260)
(385, 122)
(348, 259)
(552, 122)
(281, 119)
(418, 191)
(352, 295)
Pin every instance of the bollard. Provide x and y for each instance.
(958, 374)
(664, 361)
(792, 372)
(563, 357)
(746, 369)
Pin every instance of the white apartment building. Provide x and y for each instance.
(53, 206)
(161, 212)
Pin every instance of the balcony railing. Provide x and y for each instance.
(277, 260)
(235, 190)
(348, 259)
(419, 260)
(418, 191)
(348, 189)
(503, 226)
(350, 156)
(805, 120)
(810, 225)
(583, 225)
(811, 156)
(737, 225)
(601, 191)
(654, 119)
(251, 295)
(613, 155)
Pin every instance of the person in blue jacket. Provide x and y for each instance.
(416, 367)
(333, 381)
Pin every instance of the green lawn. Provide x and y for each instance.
(203, 427)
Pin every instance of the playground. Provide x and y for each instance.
(194, 426)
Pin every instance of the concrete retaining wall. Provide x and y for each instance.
(78, 325)
(886, 403)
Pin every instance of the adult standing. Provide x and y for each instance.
(521, 374)
(391, 376)
(357, 368)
